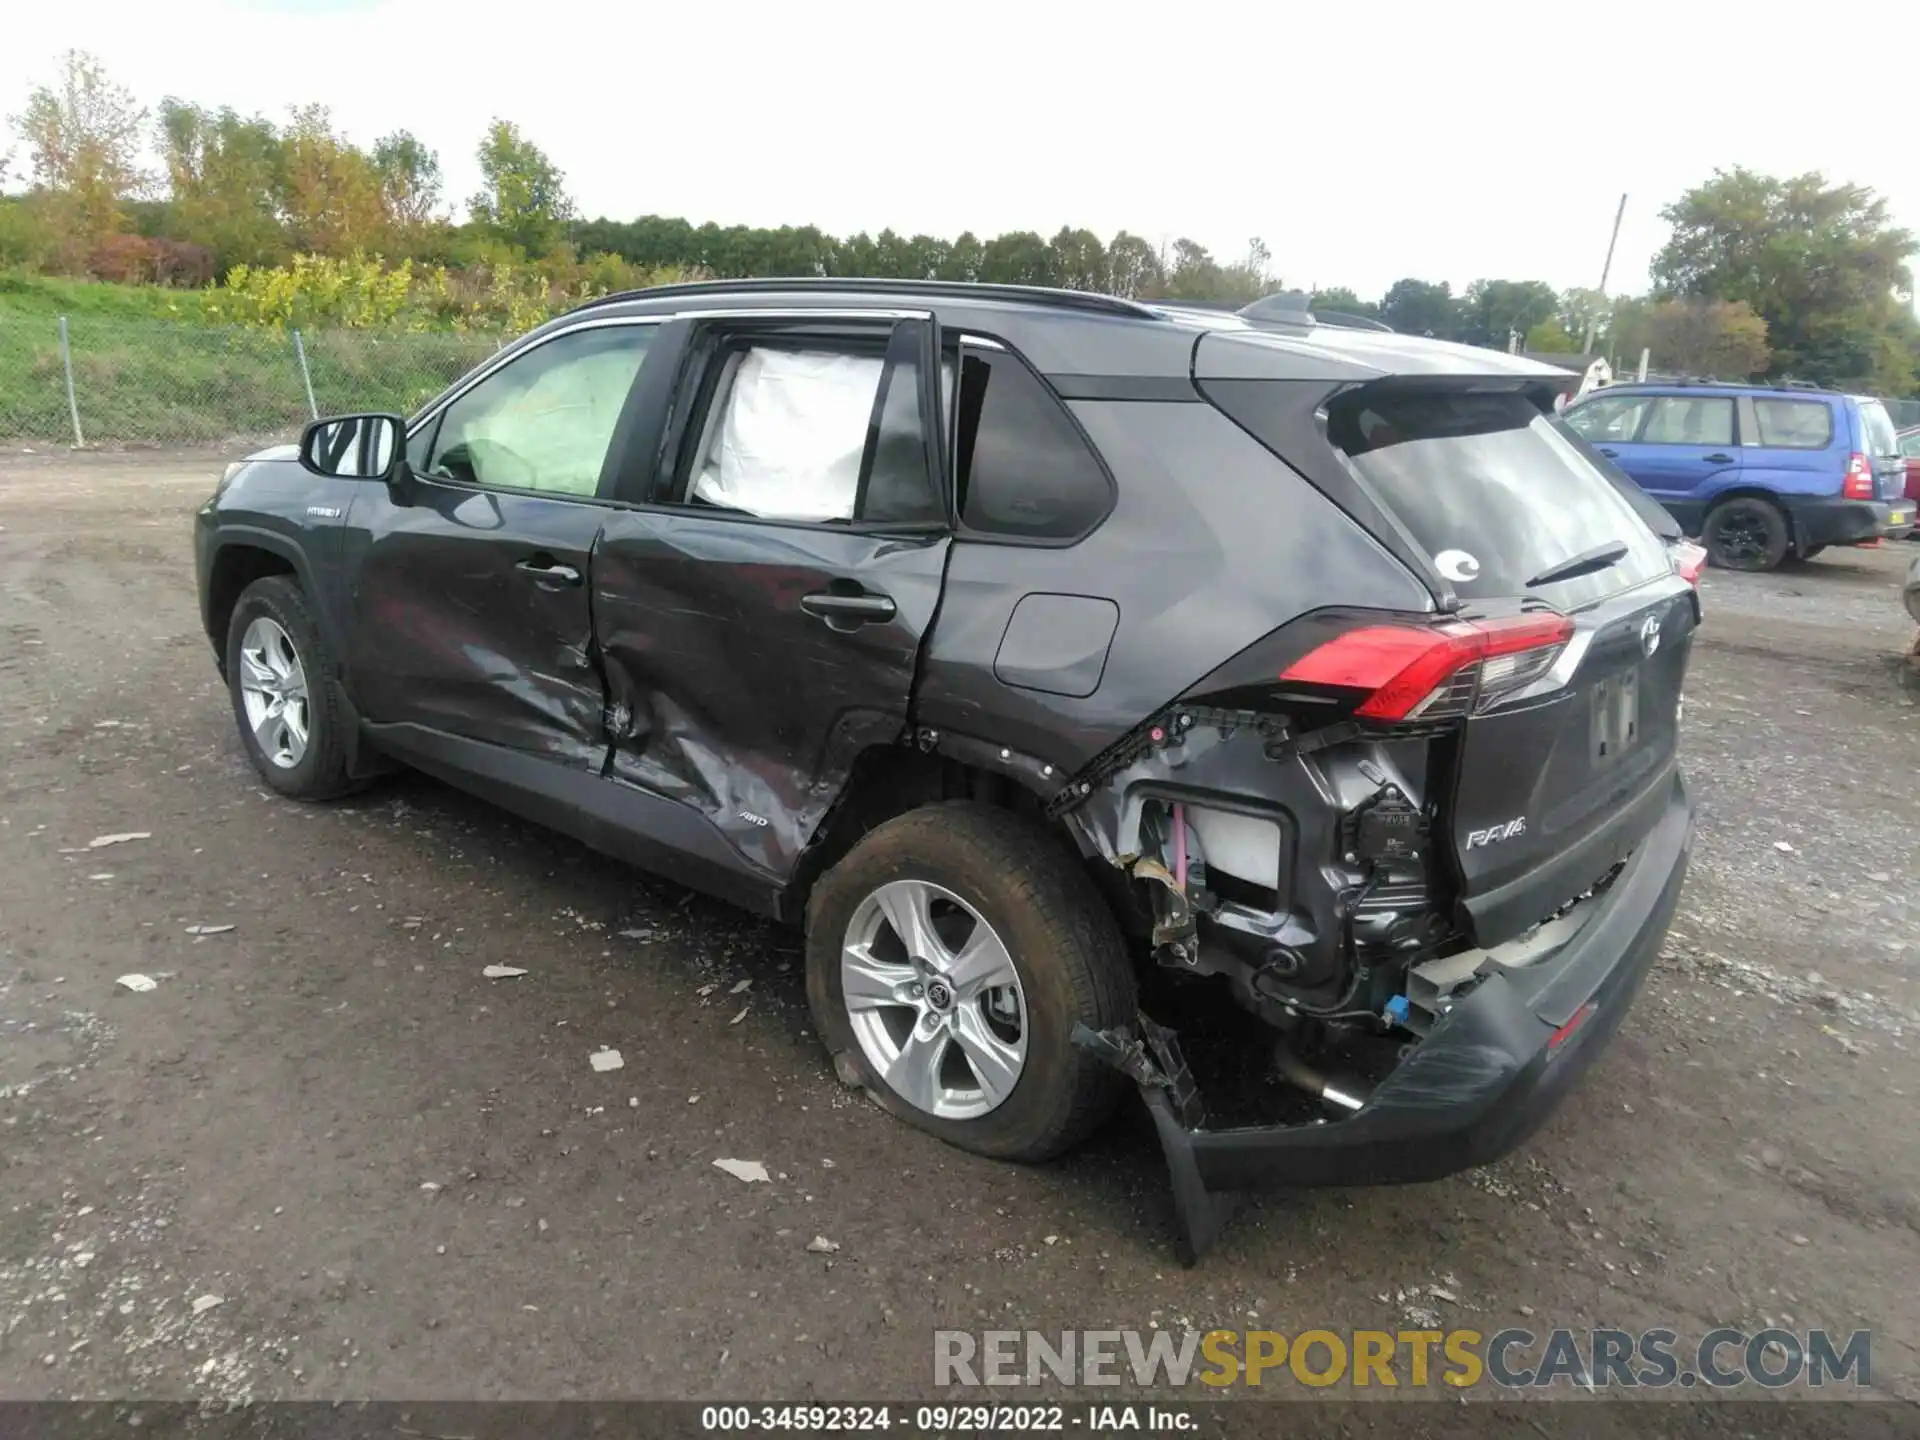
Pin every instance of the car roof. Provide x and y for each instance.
(1075, 333)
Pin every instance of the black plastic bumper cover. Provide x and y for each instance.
(1846, 522)
(1481, 1082)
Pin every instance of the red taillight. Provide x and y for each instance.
(1406, 669)
(1689, 560)
(1565, 1032)
(1859, 482)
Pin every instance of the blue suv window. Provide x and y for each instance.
(1690, 420)
(1610, 417)
(1793, 424)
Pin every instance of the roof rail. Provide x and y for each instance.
(873, 285)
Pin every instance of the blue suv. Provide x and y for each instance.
(1757, 472)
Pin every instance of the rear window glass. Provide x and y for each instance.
(1492, 491)
(1881, 438)
(1692, 420)
(1793, 424)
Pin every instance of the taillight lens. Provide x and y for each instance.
(1859, 482)
(1689, 560)
(1432, 672)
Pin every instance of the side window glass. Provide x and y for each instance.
(1690, 420)
(1021, 465)
(797, 432)
(543, 422)
(1910, 445)
(1614, 418)
(1793, 424)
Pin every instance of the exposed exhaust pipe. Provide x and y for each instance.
(1296, 1071)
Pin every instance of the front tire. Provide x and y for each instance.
(949, 956)
(284, 701)
(1746, 533)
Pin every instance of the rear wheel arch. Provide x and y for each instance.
(887, 781)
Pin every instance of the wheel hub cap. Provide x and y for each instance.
(934, 1000)
(273, 692)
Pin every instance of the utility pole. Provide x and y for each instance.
(1593, 321)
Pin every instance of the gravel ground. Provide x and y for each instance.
(325, 1157)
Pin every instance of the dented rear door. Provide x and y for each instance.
(752, 656)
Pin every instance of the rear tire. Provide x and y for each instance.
(285, 702)
(979, 866)
(1746, 533)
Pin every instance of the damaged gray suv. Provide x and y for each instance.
(1274, 718)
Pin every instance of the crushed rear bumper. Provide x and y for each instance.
(1482, 1081)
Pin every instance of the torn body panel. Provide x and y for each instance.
(1258, 855)
(1493, 1065)
(732, 688)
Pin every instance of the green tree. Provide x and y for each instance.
(1823, 265)
(1019, 257)
(1133, 268)
(1550, 337)
(1723, 338)
(1343, 301)
(1192, 273)
(330, 190)
(965, 257)
(84, 135)
(1421, 307)
(409, 178)
(1491, 310)
(1584, 311)
(523, 199)
(227, 177)
(1079, 260)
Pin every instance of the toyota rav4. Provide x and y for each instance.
(1063, 664)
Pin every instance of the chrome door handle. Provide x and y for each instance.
(857, 609)
(547, 571)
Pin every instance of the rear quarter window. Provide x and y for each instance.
(1492, 491)
(1023, 469)
(1793, 424)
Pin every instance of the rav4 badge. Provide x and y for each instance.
(1494, 834)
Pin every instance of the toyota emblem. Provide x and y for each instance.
(1650, 634)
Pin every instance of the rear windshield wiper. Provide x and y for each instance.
(1585, 563)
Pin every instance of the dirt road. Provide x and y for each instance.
(399, 1178)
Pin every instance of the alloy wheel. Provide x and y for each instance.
(273, 690)
(935, 1003)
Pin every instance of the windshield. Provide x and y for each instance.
(1493, 491)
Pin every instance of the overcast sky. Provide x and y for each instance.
(1447, 141)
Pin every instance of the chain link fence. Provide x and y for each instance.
(105, 381)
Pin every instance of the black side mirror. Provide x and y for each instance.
(355, 447)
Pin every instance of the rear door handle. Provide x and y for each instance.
(837, 609)
(1609, 453)
(548, 571)
(1718, 459)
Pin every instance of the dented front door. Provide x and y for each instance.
(471, 617)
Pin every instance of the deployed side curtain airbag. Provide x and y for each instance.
(795, 428)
